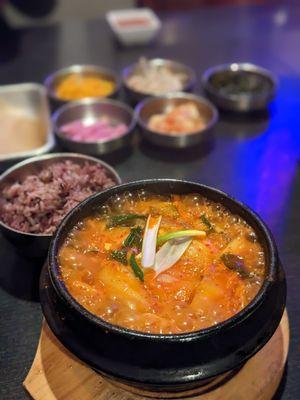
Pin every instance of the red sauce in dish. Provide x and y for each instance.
(131, 22)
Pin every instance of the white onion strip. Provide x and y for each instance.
(170, 253)
(149, 241)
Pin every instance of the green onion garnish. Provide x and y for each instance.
(138, 272)
(120, 256)
(207, 223)
(135, 238)
(179, 234)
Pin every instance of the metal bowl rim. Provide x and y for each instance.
(53, 269)
(191, 74)
(246, 67)
(180, 95)
(89, 101)
(78, 68)
(43, 157)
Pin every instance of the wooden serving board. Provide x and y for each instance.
(57, 375)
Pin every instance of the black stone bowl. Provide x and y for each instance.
(164, 365)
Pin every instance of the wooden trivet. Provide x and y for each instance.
(57, 375)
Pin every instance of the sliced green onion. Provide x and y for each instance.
(149, 241)
(207, 223)
(138, 272)
(135, 238)
(169, 254)
(120, 256)
(179, 234)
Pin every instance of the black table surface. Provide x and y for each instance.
(254, 158)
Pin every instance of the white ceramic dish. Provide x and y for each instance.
(134, 26)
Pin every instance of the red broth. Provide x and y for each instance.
(215, 278)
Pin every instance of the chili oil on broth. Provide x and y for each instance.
(215, 278)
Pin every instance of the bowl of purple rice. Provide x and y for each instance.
(36, 194)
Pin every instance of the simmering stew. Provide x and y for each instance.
(162, 263)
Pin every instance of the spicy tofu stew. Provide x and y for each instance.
(162, 263)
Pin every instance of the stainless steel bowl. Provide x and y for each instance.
(54, 78)
(93, 109)
(135, 96)
(244, 102)
(32, 99)
(156, 105)
(30, 244)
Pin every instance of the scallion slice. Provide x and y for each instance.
(138, 272)
(149, 241)
(180, 234)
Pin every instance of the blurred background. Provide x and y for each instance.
(46, 12)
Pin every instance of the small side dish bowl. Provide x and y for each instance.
(88, 112)
(135, 96)
(37, 244)
(159, 105)
(164, 365)
(239, 87)
(25, 123)
(55, 78)
(134, 26)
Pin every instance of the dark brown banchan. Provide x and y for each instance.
(219, 273)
